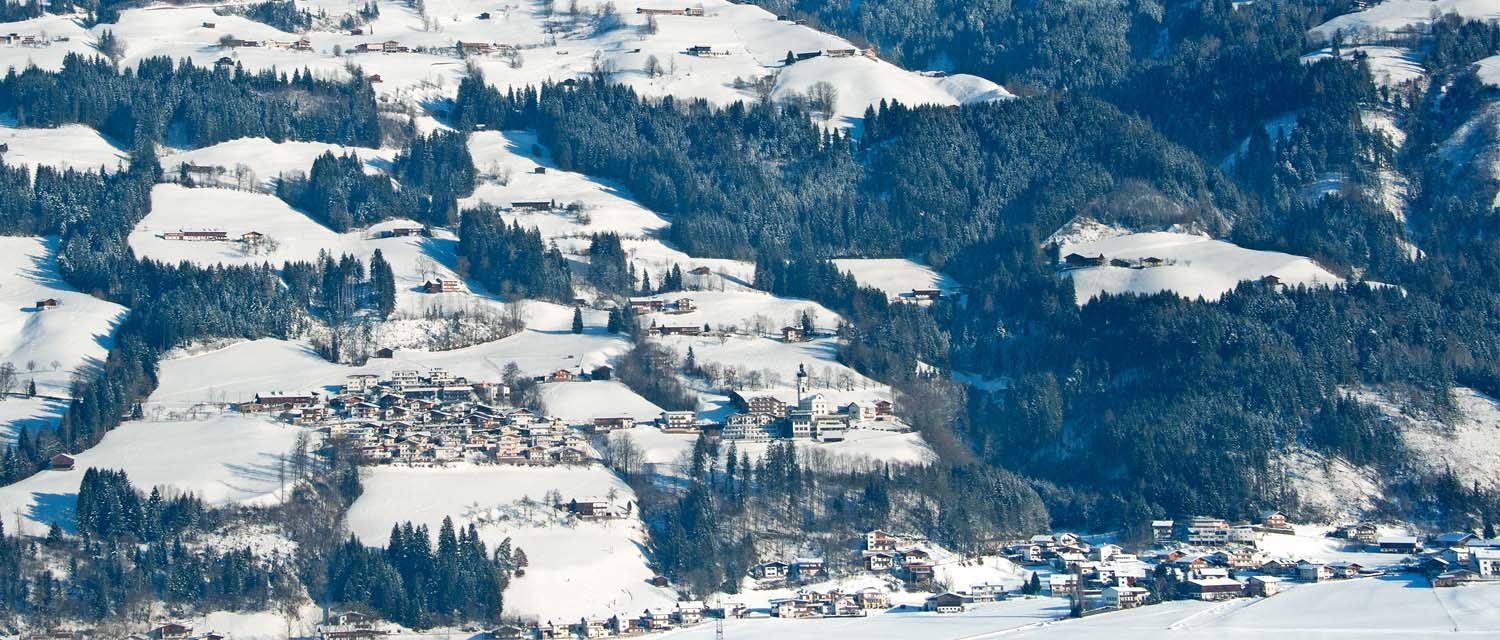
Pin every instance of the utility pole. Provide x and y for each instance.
(719, 629)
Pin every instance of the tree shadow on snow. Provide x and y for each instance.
(48, 508)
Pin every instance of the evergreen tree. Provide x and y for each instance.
(577, 320)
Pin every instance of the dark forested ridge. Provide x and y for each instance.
(975, 190)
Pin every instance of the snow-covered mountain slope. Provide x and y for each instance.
(896, 276)
(264, 160)
(1193, 266)
(46, 345)
(223, 459)
(746, 44)
(72, 146)
(1468, 444)
(1391, 15)
(1389, 66)
(587, 568)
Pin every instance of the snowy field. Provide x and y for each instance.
(896, 276)
(225, 459)
(50, 57)
(1489, 70)
(1389, 66)
(751, 311)
(1198, 266)
(73, 146)
(1392, 15)
(266, 159)
(764, 366)
(294, 236)
(46, 346)
(507, 163)
(237, 372)
(581, 402)
(1385, 607)
(576, 569)
(748, 42)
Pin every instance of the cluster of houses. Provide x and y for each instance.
(763, 418)
(849, 52)
(211, 235)
(652, 305)
(684, 614)
(441, 286)
(1080, 261)
(484, 48)
(835, 603)
(696, 12)
(421, 419)
(28, 40)
(302, 44)
(706, 51)
(1448, 559)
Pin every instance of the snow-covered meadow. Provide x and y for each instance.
(1196, 266)
(73, 146)
(897, 277)
(46, 346)
(575, 568)
(224, 459)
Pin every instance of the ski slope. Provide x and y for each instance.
(576, 569)
(1203, 268)
(223, 459)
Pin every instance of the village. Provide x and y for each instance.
(431, 418)
(1199, 558)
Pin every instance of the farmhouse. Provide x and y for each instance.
(1263, 586)
(679, 330)
(283, 401)
(678, 422)
(1124, 597)
(197, 236)
(1077, 260)
(1273, 520)
(773, 570)
(1309, 571)
(947, 602)
(1453, 540)
(62, 462)
(1399, 544)
(441, 286)
(533, 205)
(602, 425)
(49, 303)
(589, 508)
(1211, 588)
